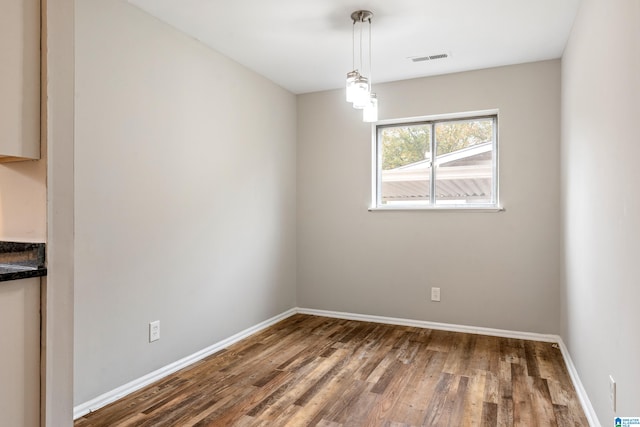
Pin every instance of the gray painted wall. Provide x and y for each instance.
(184, 196)
(601, 205)
(498, 270)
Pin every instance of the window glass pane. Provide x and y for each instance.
(464, 162)
(405, 163)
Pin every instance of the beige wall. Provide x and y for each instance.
(23, 200)
(57, 308)
(601, 204)
(184, 196)
(498, 270)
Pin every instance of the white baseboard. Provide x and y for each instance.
(124, 390)
(433, 325)
(130, 387)
(587, 407)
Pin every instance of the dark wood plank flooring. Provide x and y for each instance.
(316, 371)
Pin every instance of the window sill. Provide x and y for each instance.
(470, 209)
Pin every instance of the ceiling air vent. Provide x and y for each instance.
(429, 58)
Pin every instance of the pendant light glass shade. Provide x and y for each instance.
(351, 81)
(360, 92)
(370, 113)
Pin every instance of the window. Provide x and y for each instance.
(438, 163)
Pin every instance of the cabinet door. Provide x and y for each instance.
(20, 353)
(20, 79)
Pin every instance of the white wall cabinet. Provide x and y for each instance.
(20, 353)
(19, 80)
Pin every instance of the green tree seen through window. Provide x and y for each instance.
(404, 145)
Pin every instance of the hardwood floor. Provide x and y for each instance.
(316, 371)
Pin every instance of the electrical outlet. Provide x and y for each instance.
(612, 392)
(154, 331)
(435, 294)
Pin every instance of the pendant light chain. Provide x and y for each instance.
(361, 64)
(370, 69)
(353, 45)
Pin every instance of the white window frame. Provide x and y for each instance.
(376, 160)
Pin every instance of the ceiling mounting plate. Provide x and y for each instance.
(361, 16)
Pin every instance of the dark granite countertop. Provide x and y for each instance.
(21, 260)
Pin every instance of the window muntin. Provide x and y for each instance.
(462, 174)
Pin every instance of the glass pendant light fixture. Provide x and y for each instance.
(360, 91)
(370, 113)
(358, 85)
(351, 79)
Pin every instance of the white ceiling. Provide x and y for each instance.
(305, 45)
